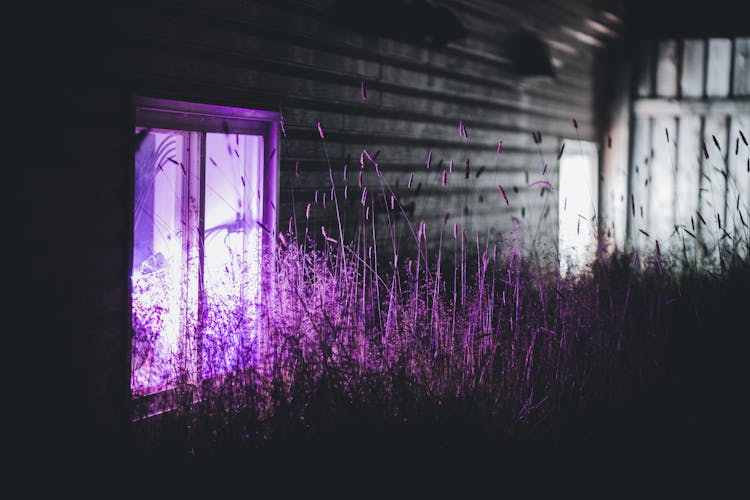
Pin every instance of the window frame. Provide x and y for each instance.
(197, 120)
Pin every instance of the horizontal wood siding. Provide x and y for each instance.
(289, 55)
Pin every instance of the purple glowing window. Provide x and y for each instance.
(205, 186)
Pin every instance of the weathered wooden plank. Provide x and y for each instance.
(645, 69)
(354, 214)
(692, 75)
(691, 107)
(405, 154)
(718, 68)
(638, 202)
(741, 85)
(658, 186)
(369, 118)
(613, 181)
(689, 154)
(661, 188)
(713, 179)
(532, 221)
(738, 180)
(552, 122)
(667, 61)
(424, 199)
(687, 185)
(399, 150)
(398, 180)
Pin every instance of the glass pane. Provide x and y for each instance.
(233, 210)
(157, 276)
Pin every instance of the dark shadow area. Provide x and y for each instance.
(680, 19)
(530, 55)
(414, 21)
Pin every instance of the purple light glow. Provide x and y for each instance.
(232, 246)
(156, 278)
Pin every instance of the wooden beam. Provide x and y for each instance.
(691, 107)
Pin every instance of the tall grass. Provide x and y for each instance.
(351, 331)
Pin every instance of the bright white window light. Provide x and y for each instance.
(578, 200)
(232, 245)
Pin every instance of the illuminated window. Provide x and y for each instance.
(204, 206)
(579, 168)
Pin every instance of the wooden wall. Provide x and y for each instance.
(289, 55)
(75, 68)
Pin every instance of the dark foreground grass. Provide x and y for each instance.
(627, 366)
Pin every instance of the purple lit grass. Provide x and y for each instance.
(433, 331)
(513, 345)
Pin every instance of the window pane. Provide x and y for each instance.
(233, 192)
(157, 259)
(578, 205)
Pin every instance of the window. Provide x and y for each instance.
(579, 167)
(204, 209)
(689, 167)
